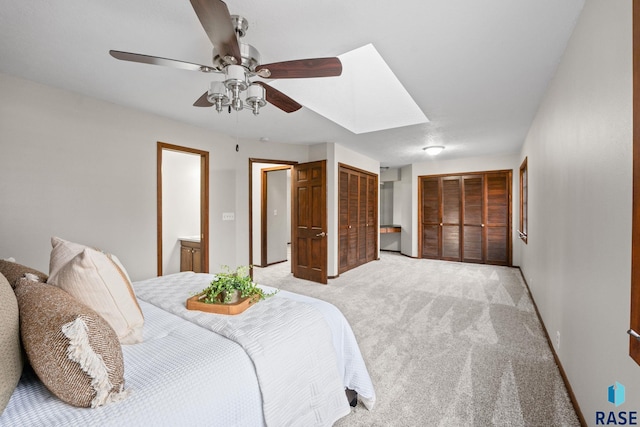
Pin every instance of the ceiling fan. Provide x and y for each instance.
(239, 62)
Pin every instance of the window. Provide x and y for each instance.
(523, 229)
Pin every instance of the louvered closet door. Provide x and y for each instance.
(352, 256)
(450, 223)
(466, 217)
(372, 218)
(498, 218)
(358, 218)
(343, 228)
(430, 196)
(362, 219)
(472, 219)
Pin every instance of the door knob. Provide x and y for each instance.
(321, 234)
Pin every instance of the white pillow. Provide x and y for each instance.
(99, 281)
(63, 251)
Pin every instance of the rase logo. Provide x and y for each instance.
(616, 396)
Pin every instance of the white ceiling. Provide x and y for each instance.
(476, 68)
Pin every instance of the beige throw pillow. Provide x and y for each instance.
(74, 351)
(63, 251)
(11, 362)
(99, 281)
(14, 271)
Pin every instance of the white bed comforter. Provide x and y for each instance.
(170, 384)
(303, 349)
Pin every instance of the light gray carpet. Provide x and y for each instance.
(446, 344)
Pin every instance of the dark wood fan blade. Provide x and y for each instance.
(301, 68)
(279, 99)
(203, 101)
(216, 21)
(155, 60)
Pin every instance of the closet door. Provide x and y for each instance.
(472, 219)
(352, 195)
(372, 217)
(430, 196)
(343, 219)
(358, 218)
(466, 217)
(362, 218)
(450, 222)
(498, 217)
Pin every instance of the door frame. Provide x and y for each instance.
(634, 321)
(204, 201)
(263, 212)
(252, 160)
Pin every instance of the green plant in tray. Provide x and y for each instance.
(228, 283)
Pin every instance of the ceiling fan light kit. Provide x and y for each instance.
(239, 62)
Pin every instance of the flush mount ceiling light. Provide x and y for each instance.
(433, 150)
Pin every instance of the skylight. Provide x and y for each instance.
(367, 96)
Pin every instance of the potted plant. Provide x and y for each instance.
(230, 286)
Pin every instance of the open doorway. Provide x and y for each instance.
(269, 211)
(308, 213)
(275, 215)
(183, 209)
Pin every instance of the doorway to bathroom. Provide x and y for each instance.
(182, 209)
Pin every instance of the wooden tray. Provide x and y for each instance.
(235, 308)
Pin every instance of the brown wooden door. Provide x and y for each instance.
(352, 224)
(372, 218)
(362, 219)
(498, 218)
(473, 235)
(466, 217)
(343, 219)
(450, 222)
(309, 221)
(430, 196)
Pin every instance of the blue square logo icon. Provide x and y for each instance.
(616, 394)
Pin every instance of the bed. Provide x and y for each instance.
(279, 363)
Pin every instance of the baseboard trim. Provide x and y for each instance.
(563, 374)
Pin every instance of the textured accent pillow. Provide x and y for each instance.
(74, 351)
(11, 362)
(14, 271)
(97, 280)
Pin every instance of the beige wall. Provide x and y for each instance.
(85, 170)
(577, 261)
